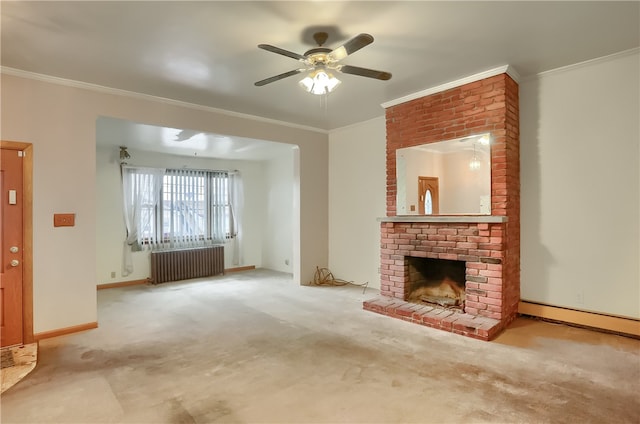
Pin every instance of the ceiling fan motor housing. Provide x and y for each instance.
(318, 56)
(320, 37)
(317, 50)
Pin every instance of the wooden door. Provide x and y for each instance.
(428, 196)
(11, 234)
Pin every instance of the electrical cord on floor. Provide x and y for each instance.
(324, 277)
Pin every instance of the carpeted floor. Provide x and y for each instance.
(253, 347)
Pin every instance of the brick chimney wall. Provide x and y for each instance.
(486, 106)
(489, 105)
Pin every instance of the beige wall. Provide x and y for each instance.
(580, 141)
(357, 181)
(60, 121)
(277, 241)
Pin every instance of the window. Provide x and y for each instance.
(428, 203)
(179, 207)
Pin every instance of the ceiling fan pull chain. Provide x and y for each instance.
(324, 103)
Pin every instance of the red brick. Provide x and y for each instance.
(494, 308)
(470, 310)
(490, 301)
(449, 256)
(476, 305)
(490, 273)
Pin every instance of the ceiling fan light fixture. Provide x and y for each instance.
(319, 60)
(319, 82)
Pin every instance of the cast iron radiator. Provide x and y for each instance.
(182, 264)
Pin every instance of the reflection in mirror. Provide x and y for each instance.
(451, 177)
(428, 204)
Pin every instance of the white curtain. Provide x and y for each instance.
(141, 189)
(237, 203)
(220, 213)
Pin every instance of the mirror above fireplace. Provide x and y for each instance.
(450, 177)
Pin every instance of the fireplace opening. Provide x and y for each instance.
(438, 282)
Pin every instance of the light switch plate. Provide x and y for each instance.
(64, 219)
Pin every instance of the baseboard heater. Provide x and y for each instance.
(182, 264)
(595, 320)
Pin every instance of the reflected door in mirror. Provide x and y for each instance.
(428, 195)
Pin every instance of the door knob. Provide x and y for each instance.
(13, 249)
(15, 262)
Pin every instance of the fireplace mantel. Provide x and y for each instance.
(464, 219)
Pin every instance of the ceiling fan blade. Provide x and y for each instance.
(278, 77)
(364, 72)
(351, 46)
(283, 52)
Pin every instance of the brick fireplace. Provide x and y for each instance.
(489, 245)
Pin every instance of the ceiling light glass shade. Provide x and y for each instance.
(319, 82)
(474, 164)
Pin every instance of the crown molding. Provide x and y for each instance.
(357, 124)
(132, 94)
(505, 69)
(573, 66)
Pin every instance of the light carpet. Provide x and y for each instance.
(253, 347)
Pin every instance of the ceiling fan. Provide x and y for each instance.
(320, 61)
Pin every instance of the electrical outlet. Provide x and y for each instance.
(113, 274)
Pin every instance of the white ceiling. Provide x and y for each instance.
(205, 52)
(115, 132)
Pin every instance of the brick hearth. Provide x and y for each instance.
(489, 245)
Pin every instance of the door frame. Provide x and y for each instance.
(27, 236)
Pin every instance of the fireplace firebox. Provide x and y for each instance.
(438, 282)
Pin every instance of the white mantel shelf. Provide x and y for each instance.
(491, 219)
